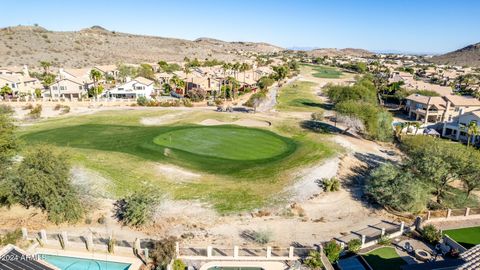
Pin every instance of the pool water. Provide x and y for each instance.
(72, 263)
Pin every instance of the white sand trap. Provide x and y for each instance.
(240, 122)
(162, 120)
(307, 184)
(176, 173)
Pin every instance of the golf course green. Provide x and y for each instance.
(225, 142)
(210, 149)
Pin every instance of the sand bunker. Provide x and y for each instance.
(163, 119)
(240, 122)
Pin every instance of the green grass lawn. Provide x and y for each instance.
(237, 164)
(467, 237)
(384, 258)
(298, 96)
(325, 72)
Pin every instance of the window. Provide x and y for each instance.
(80, 87)
(54, 88)
(139, 87)
(63, 88)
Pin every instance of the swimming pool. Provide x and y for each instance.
(72, 263)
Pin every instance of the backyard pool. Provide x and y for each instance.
(72, 263)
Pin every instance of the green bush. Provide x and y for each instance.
(142, 101)
(354, 245)
(262, 236)
(384, 240)
(137, 208)
(318, 116)
(431, 234)
(332, 250)
(6, 109)
(11, 237)
(314, 260)
(163, 252)
(331, 185)
(44, 182)
(35, 112)
(179, 265)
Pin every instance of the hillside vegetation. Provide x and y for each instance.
(21, 45)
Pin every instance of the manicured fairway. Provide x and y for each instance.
(325, 72)
(224, 142)
(298, 96)
(384, 258)
(467, 237)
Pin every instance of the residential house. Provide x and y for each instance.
(457, 128)
(439, 109)
(108, 71)
(138, 87)
(425, 109)
(14, 70)
(68, 88)
(78, 74)
(21, 85)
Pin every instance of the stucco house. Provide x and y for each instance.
(21, 85)
(457, 128)
(439, 109)
(68, 88)
(138, 87)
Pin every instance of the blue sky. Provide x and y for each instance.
(382, 25)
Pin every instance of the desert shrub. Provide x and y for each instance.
(6, 109)
(65, 109)
(187, 102)
(28, 106)
(11, 237)
(142, 101)
(197, 94)
(354, 245)
(384, 240)
(314, 260)
(331, 185)
(218, 102)
(317, 116)
(163, 252)
(57, 107)
(137, 208)
(262, 236)
(431, 234)
(179, 265)
(332, 250)
(35, 112)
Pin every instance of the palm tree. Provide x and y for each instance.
(243, 68)
(177, 82)
(187, 71)
(225, 67)
(46, 66)
(95, 75)
(472, 131)
(236, 68)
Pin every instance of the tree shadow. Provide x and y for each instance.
(318, 105)
(319, 127)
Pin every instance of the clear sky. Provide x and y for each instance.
(426, 26)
